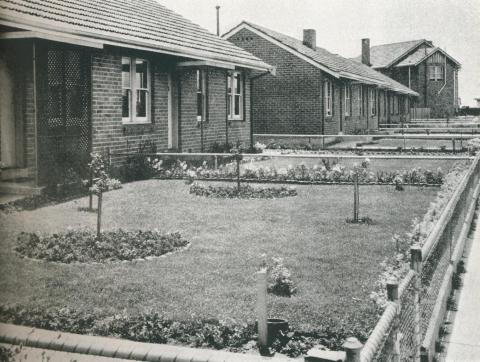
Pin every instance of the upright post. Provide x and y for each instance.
(416, 266)
(453, 144)
(392, 295)
(99, 214)
(352, 347)
(216, 162)
(238, 172)
(262, 309)
(90, 195)
(356, 198)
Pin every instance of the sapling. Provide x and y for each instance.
(101, 182)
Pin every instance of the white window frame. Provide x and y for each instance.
(132, 118)
(328, 92)
(347, 98)
(231, 95)
(373, 101)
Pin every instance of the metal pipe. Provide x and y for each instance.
(218, 19)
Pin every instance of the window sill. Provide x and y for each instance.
(127, 123)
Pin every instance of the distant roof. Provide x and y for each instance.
(420, 55)
(383, 56)
(332, 63)
(144, 24)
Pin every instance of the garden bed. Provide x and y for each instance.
(83, 246)
(244, 192)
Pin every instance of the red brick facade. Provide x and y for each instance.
(292, 101)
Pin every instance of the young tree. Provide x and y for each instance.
(359, 171)
(101, 182)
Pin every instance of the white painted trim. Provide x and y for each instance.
(209, 63)
(107, 39)
(53, 37)
(261, 34)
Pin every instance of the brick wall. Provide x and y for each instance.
(107, 127)
(215, 129)
(291, 101)
(440, 104)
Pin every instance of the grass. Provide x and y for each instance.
(334, 264)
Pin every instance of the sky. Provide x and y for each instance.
(453, 25)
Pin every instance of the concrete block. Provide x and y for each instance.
(319, 355)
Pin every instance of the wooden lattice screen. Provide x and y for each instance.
(64, 117)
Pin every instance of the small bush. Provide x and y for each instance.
(245, 192)
(6, 355)
(281, 284)
(84, 246)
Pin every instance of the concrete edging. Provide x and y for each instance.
(118, 348)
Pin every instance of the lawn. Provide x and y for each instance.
(334, 264)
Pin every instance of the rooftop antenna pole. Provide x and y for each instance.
(218, 19)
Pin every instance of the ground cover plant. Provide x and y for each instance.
(244, 192)
(318, 171)
(84, 246)
(333, 264)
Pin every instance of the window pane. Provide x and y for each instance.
(126, 72)
(141, 71)
(199, 105)
(237, 105)
(141, 105)
(238, 84)
(229, 84)
(126, 103)
(199, 81)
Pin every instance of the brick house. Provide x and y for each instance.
(421, 66)
(315, 91)
(79, 76)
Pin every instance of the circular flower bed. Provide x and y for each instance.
(245, 192)
(83, 246)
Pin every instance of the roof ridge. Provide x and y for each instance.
(402, 42)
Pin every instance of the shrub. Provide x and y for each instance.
(84, 246)
(152, 327)
(245, 192)
(281, 284)
(397, 265)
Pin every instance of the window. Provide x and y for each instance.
(373, 102)
(235, 96)
(362, 101)
(435, 72)
(135, 90)
(202, 99)
(348, 104)
(328, 98)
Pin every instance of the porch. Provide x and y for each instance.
(45, 127)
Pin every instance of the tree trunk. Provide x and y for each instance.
(238, 174)
(99, 215)
(356, 199)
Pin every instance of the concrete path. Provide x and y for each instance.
(464, 341)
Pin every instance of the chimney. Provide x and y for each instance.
(366, 51)
(310, 38)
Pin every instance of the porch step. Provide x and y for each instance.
(14, 174)
(20, 188)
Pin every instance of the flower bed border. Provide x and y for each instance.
(294, 182)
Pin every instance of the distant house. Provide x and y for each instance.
(315, 91)
(421, 66)
(79, 76)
